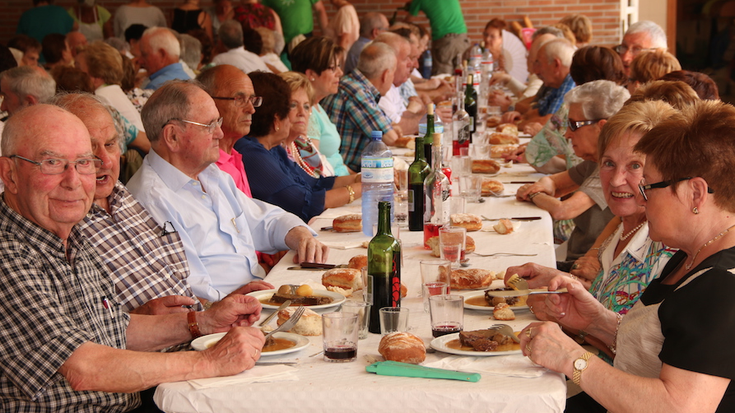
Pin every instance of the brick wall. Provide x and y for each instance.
(603, 13)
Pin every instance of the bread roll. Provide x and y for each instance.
(348, 223)
(471, 279)
(492, 187)
(469, 221)
(346, 278)
(504, 226)
(402, 347)
(496, 138)
(507, 128)
(502, 311)
(485, 166)
(310, 323)
(358, 262)
(492, 121)
(497, 151)
(405, 142)
(434, 244)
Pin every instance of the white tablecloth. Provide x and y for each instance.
(347, 387)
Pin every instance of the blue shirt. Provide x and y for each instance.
(221, 228)
(276, 179)
(552, 101)
(170, 72)
(354, 111)
(354, 54)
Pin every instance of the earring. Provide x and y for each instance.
(312, 79)
(277, 128)
(695, 210)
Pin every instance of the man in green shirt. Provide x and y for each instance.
(448, 31)
(296, 16)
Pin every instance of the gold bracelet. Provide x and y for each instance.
(352, 193)
(534, 195)
(614, 346)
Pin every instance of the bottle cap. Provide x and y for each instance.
(376, 135)
(437, 139)
(430, 109)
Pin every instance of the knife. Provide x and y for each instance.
(514, 218)
(522, 182)
(519, 293)
(315, 266)
(394, 368)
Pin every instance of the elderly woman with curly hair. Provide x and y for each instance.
(273, 177)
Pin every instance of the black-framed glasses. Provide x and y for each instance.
(574, 125)
(242, 100)
(211, 126)
(86, 166)
(643, 187)
(635, 50)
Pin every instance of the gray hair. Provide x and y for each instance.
(547, 30)
(230, 33)
(393, 40)
(560, 49)
(79, 103)
(163, 38)
(371, 21)
(376, 58)
(191, 50)
(600, 99)
(27, 81)
(170, 101)
(654, 31)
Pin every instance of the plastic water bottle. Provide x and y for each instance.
(476, 62)
(426, 65)
(377, 180)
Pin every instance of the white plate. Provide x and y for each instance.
(337, 299)
(202, 343)
(482, 307)
(440, 344)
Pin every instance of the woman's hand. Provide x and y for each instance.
(546, 344)
(544, 185)
(533, 128)
(499, 78)
(517, 155)
(577, 309)
(586, 268)
(537, 275)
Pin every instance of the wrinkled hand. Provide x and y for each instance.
(165, 305)
(444, 112)
(537, 275)
(499, 78)
(577, 309)
(549, 346)
(232, 311)
(307, 248)
(256, 285)
(517, 155)
(587, 268)
(236, 352)
(510, 117)
(528, 189)
(537, 305)
(533, 128)
(498, 98)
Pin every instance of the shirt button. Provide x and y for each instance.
(204, 197)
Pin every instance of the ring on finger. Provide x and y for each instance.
(528, 332)
(575, 266)
(528, 348)
(530, 307)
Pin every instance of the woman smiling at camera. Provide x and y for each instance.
(674, 348)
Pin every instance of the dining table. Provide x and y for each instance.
(508, 383)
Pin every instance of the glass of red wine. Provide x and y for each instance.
(447, 314)
(340, 336)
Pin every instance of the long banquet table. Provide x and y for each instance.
(347, 387)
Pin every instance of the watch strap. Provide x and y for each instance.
(577, 375)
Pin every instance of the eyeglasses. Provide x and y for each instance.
(635, 50)
(574, 125)
(643, 187)
(211, 127)
(242, 100)
(86, 166)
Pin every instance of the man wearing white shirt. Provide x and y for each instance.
(230, 34)
(220, 227)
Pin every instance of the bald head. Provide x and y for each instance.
(402, 48)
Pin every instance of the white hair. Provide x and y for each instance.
(560, 49)
(162, 38)
(600, 99)
(656, 33)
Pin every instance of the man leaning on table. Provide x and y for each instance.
(221, 227)
(65, 346)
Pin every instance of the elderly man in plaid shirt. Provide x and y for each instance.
(354, 108)
(65, 346)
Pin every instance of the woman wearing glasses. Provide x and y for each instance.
(674, 348)
(273, 177)
(590, 105)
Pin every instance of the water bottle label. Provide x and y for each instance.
(377, 170)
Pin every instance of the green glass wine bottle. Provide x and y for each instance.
(417, 172)
(384, 269)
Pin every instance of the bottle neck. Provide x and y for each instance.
(429, 128)
(420, 154)
(436, 158)
(384, 218)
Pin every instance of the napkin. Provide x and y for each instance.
(258, 374)
(513, 365)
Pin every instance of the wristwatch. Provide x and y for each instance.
(580, 365)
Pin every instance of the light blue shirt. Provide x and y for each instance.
(170, 72)
(221, 228)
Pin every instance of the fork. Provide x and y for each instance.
(506, 330)
(517, 283)
(289, 323)
(511, 254)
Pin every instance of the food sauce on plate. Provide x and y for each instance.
(455, 345)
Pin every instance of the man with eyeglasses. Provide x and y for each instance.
(231, 36)
(640, 36)
(61, 329)
(221, 227)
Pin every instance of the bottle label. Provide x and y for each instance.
(395, 280)
(377, 170)
(410, 201)
(369, 289)
(463, 134)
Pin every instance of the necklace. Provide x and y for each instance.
(706, 244)
(296, 155)
(632, 231)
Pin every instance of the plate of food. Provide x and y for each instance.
(283, 343)
(479, 301)
(316, 300)
(477, 343)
